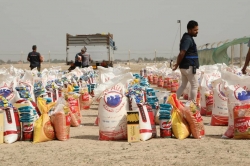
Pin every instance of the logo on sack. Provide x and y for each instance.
(221, 95)
(28, 127)
(28, 86)
(6, 92)
(113, 99)
(166, 125)
(242, 124)
(49, 130)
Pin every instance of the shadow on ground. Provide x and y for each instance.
(91, 137)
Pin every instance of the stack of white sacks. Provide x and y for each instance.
(224, 93)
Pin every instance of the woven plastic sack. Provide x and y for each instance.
(180, 126)
(61, 122)
(43, 128)
(194, 119)
(242, 122)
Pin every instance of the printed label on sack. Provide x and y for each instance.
(142, 113)
(165, 124)
(6, 92)
(85, 97)
(197, 116)
(242, 124)
(239, 91)
(73, 103)
(8, 115)
(209, 100)
(28, 127)
(221, 95)
(28, 86)
(113, 99)
(49, 130)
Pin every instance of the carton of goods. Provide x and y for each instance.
(133, 126)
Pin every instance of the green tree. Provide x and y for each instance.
(140, 59)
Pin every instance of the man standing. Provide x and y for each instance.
(187, 60)
(247, 60)
(35, 59)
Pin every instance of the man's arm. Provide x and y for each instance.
(179, 59)
(184, 46)
(246, 62)
(41, 58)
(76, 57)
(28, 58)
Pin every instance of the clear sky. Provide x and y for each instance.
(139, 25)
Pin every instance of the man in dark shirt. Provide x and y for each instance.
(35, 59)
(188, 61)
(82, 58)
(247, 60)
(78, 59)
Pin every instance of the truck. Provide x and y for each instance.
(98, 39)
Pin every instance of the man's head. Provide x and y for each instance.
(84, 49)
(34, 47)
(192, 28)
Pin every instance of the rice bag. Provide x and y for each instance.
(61, 122)
(242, 121)
(180, 126)
(194, 119)
(43, 128)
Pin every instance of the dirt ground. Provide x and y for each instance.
(84, 148)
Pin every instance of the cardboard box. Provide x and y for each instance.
(133, 128)
(1, 126)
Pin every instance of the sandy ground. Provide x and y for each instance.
(84, 148)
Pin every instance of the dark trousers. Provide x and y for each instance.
(38, 68)
(78, 64)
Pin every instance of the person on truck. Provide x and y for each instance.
(78, 59)
(85, 57)
(82, 58)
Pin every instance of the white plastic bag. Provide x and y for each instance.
(220, 107)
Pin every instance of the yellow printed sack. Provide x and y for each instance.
(43, 129)
(180, 126)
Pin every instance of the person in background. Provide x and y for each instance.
(78, 59)
(188, 61)
(247, 60)
(35, 59)
(72, 66)
(103, 64)
(171, 63)
(85, 57)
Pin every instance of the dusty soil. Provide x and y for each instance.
(84, 148)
